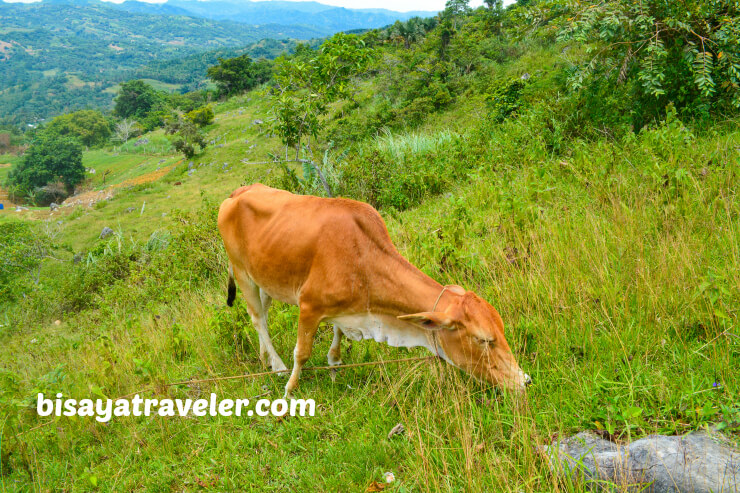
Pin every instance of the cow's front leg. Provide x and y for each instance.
(308, 323)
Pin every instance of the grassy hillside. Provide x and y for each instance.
(612, 256)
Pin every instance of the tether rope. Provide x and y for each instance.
(247, 375)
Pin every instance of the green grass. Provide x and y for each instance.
(615, 266)
(162, 86)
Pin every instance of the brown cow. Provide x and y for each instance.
(335, 260)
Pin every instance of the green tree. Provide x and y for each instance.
(308, 83)
(50, 158)
(456, 9)
(136, 99)
(239, 74)
(89, 126)
(202, 116)
(186, 135)
(686, 53)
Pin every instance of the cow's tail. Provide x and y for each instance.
(232, 287)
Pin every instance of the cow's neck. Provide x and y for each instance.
(408, 290)
(398, 289)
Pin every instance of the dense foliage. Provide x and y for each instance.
(51, 158)
(89, 126)
(684, 53)
(239, 74)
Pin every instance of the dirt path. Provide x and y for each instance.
(89, 198)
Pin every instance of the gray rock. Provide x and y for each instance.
(191, 165)
(106, 232)
(258, 122)
(53, 206)
(526, 76)
(141, 142)
(130, 209)
(699, 462)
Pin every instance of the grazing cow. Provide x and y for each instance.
(335, 260)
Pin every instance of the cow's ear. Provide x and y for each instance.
(454, 288)
(429, 320)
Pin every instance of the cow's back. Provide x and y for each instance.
(282, 240)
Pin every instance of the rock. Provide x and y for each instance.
(130, 209)
(20, 209)
(258, 122)
(53, 206)
(57, 322)
(219, 146)
(191, 165)
(77, 258)
(106, 232)
(190, 173)
(526, 76)
(141, 142)
(396, 430)
(699, 462)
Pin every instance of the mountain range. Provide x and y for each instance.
(318, 16)
(61, 55)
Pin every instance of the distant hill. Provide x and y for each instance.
(57, 56)
(61, 55)
(299, 13)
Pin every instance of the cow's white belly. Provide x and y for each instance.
(383, 328)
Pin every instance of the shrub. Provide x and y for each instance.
(202, 116)
(50, 158)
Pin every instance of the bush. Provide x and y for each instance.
(22, 248)
(503, 98)
(50, 158)
(202, 116)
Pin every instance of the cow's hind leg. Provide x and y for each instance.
(308, 323)
(335, 351)
(257, 306)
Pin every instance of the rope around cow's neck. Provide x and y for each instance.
(434, 332)
(434, 308)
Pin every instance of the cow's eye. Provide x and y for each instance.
(485, 342)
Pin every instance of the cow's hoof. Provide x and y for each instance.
(280, 367)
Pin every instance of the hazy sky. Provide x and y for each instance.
(397, 5)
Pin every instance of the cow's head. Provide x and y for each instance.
(471, 335)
